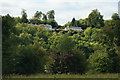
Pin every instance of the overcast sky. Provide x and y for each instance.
(65, 10)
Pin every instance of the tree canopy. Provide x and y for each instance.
(28, 47)
(95, 19)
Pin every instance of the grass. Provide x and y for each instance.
(65, 76)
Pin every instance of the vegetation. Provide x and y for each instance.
(95, 19)
(66, 76)
(30, 48)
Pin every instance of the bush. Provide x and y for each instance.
(63, 63)
(66, 59)
(77, 63)
(29, 59)
(116, 62)
(100, 63)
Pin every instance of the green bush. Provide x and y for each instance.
(116, 62)
(66, 59)
(29, 59)
(77, 63)
(100, 63)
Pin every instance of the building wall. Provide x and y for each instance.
(119, 8)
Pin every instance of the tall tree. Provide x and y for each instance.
(8, 26)
(24, 16)
(110, 39)
(44, 17)
(8, 43)
(65, 44)
(38, 14)
(115, 16)
(66, 58)
(51, 14)
(73, 22)
(95, 19)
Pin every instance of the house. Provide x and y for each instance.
(46, 26)
(33, 24)
(49, 27)
(73, 28)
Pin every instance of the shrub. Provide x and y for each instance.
(77, 63)
(29, 59)
(100, 63)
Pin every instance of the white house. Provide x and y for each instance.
(32, 24)
(73, 28)
(49, 27)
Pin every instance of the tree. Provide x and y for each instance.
(8, 26)
(28, 34)
(74, 23)
(95, 19)
(24, 16)
(77, 63)
(109, 38)
(25, 39)
(65, 58)
(51, 14)
(83, 23)
(109, 34)
(38, 14)
(65, 44)
(27, 55)
(100, 62)
(44, 17)
(63, 49)
(88, 31)
(9, 43)
(30, 59)
(17, 19)
(67, 24)
(115, 16)
(53, 23)
(35, 21)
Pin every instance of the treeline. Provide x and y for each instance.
(32, 49)
(38, 18)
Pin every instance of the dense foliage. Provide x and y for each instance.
(29, 48)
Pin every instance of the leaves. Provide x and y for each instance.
(95, 19)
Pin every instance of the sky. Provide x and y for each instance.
(65, 10)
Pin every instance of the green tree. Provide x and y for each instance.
(95, 19)
(65, 58)
(8, 47)
(77, 63)
(83, 23)
(67, 24)
(53, 23)
(65, 44)
(29, 59)
(24, 16)
(8, 26)
(38, 14)
(115, 16)
(74, 23)
(44, 17)
(100, 62)
(35, 21)
(109, 38)
(109, 34)
(51, 14)
(88, 31)
(17, 19)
